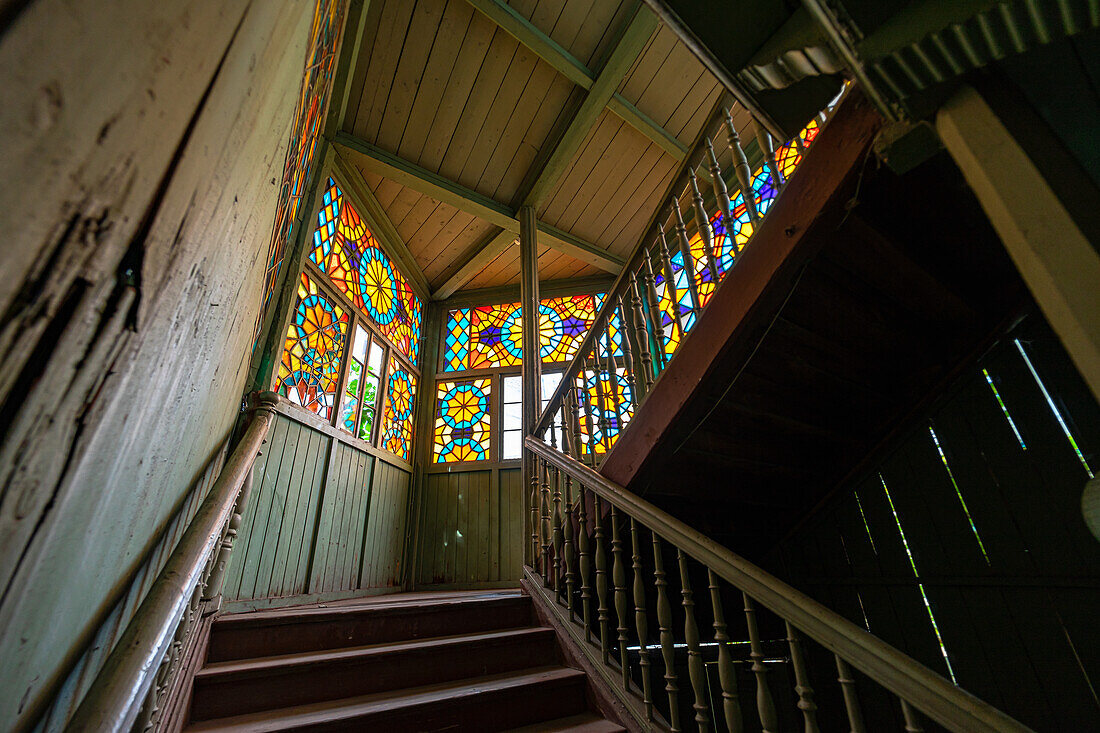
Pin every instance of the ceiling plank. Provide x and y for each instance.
(474, 260)
(355, 151)
(618, 64)
(354, 25)
(546, 48)
(376, 215)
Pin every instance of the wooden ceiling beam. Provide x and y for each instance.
(357, 152)
(625, 53)
(546, 48)
(376, 216)
(474, 259)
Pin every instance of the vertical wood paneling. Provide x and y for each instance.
(324, 517)
(471, 527)
(1019, 628)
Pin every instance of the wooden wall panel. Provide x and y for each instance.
(470, 527)
(144, 138)
(994, 528)
(387, 520)
(325, 517)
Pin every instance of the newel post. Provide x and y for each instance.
(531, 369)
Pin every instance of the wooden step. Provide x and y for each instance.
(253, 685)
(584, 723)
(492, 703)
(294, 630)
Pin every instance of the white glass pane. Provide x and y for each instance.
(513, 389)
(375, 361)
(550, 382)
(359, 345)
(513, 417)
(512, 444)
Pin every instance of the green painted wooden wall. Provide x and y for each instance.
(470, 529)
(327, 517)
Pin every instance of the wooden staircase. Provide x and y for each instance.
(414, 662)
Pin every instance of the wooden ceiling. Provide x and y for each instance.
(461, 111)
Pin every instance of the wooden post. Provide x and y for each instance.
(531, 368)
(1054, 256)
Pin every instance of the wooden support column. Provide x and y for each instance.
(1053, 255)
(531, 367)
(423, 432)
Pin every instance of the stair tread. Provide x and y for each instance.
(583, 723)
(319, 614)
(347, 708)
(245, 667)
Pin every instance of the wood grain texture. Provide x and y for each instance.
(155, 167)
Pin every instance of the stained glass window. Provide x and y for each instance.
(511, 422)
(398, 416)
(324, 37)
(462, 421)
(492, 335)
(612, 405)
(315, 340)
(347, 251)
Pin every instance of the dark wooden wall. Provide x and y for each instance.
(470, 532)
(1019, 627)
(142, 143)
(326, 519)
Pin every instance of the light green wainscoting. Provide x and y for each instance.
(326, 518)
(470, 531)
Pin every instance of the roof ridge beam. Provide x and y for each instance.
(511, 22)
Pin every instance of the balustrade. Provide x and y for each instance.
(776, 618)
(666, 284)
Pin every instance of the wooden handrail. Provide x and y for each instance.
(903, 676)
(115, 698)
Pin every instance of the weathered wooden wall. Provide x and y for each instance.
(1016, 612)
(471, 528)
(326, 518)
(140, 151)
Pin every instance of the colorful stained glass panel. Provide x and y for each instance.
(315, 340)
(462, 421)
(348, 252)
(397, 417)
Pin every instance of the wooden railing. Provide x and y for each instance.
(130, 690)
(592, 533)
(669, 280)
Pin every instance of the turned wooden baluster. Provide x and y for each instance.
(583, 548)
(702, 223)
(641, 337)
(696, 670)
(685, 252)
(670, 282)
(912, 720)
(721, 194)
(741, 168)
(558, 536)
(727, 677)
(535, 545)
(655, 315)
(802, 681)
(568, 549)
(589, 412)
(668, 641)
(767, 147)
(616, 391)
(641, 621)
(603, 611)
(601, 398)
(622, 609)
(851, 698)
(628, 334)
(544, 514)
(764, 703)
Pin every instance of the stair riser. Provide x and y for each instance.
(489, 711)
(242, 693)
(231, 641)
